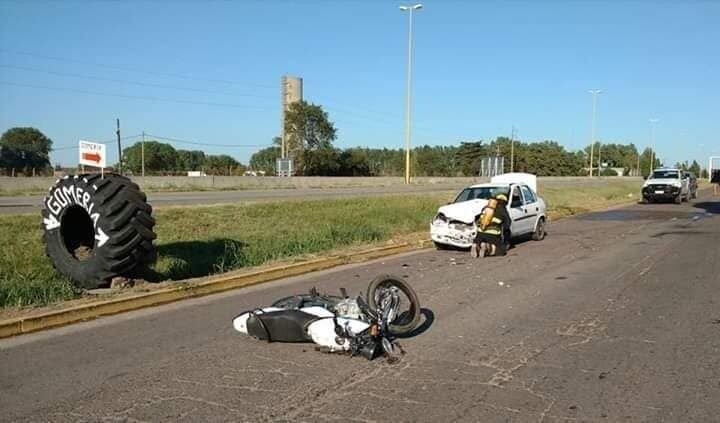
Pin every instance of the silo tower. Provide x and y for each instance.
(291, 91)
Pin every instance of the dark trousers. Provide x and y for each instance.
(496, 240)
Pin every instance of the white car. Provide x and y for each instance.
(454, 224)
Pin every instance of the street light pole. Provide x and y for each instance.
(653, 121)
(592, 135)
(512, 150)
(408, 100)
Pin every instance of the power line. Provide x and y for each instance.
(132, 69)
(114, 140)
(182, 141)
(142, 84)
(134, 97)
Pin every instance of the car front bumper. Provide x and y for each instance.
(661, 192)
(456, 234)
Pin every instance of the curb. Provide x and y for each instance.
(85, 312)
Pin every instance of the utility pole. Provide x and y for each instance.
(638, 163)
(512, 150)
(119, 147)
(408, 101)
(142, 154)
(653, 121)
(592, 137)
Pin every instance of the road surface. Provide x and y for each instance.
(614, 317)
(33, 203)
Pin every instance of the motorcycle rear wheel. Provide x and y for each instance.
(407, 321)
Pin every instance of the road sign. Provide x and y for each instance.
(92, 154)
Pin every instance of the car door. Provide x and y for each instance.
(516, 208)
(532, 208)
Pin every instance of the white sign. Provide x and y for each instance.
(92, 154)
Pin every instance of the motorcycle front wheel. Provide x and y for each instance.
(408, 318)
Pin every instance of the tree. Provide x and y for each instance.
(159, 157)
(468, 157)
(645, 166)
(189, 160)
(24, 149)
(309, 135)
(695, 168)
(222, 165)
(265, 160)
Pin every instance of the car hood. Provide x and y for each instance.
(665, 181)
(465, 211)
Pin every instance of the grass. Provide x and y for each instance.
(199, 241)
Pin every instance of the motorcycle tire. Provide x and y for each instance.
(412, 319)
(97, 227)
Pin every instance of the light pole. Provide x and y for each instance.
(408, 101)
(592, 135)
(653, 121)
(512, 150)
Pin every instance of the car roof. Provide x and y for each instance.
(489, 185)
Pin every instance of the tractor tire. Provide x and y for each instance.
(97, 228)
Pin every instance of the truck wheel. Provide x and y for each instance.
(96, 228)
(539, 233)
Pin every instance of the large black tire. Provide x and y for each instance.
(407, 321)
(96, 228)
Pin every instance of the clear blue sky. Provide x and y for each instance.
(480, 68)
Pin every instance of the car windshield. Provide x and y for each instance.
(483, 193)
(665, 174)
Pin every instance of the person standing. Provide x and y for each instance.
(715, 179)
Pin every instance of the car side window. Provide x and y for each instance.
(516, 198)
(528, 194)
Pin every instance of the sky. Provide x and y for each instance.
(209, 71)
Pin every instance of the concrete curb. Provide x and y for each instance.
(22, 325)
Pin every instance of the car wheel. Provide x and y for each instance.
(539, 233)
(439, 246)
(678, 199)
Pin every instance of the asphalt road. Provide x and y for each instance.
(614, 317)
(33, 203)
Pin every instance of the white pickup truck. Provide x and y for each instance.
(454, 224)
(666, 184)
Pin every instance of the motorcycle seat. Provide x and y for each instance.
(280, 326)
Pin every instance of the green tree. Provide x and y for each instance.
(265, 160)
(645, 166)
(355, 162)
(189, 160)
(24, 149)
(222, 165)
(695, 168)
(309, 136)
(159, 157)
(468, 157)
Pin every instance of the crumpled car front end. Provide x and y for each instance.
(444, 230)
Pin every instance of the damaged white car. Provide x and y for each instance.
(454, 224)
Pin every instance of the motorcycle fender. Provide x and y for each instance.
(322, 332)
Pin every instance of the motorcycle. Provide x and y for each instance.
(368, 326)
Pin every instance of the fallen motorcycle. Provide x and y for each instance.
(367, 326)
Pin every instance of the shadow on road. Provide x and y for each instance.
(709, 206)
(190, 259)
(428, 320)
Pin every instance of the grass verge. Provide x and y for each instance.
(199, 241)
